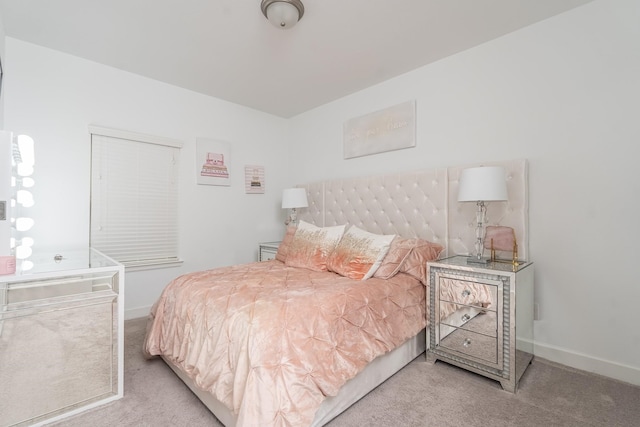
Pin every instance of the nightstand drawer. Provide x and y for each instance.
(467, 292)
(472, 344)
(267, 255)
(472, 319)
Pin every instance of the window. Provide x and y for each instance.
(134, 197)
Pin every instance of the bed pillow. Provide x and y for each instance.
(311, 246)
(359, 253)
(398, 251)
(283, 249)
(416, 263)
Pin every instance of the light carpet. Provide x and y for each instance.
(421, 394)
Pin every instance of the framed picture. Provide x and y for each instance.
(390, 129)
(254, 179)
(499, 238)
(212, 162)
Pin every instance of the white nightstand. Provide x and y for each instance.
(268, 250)
(494, 341)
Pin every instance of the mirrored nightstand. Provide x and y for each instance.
(268, 250)
(495, 339)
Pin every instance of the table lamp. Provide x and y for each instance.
(480, 185)
(293, 199)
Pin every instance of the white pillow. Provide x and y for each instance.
(311, 246)
(359, 253)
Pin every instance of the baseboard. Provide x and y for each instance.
(584, 362)
(135, 313)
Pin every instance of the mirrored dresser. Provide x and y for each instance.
(61, 336)
(481, 317)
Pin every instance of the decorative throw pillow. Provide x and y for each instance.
(416, 263)
(359, 253)
(311, 246)
(283, 249)
(398, 251)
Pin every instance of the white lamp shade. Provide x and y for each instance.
(294, 198)
(485, 184)
(282, 14)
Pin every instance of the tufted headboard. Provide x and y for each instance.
(420, 204)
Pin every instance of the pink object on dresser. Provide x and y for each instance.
(7, 265)
(499, 238)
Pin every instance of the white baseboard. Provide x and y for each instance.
(584, 362)
(135, 313)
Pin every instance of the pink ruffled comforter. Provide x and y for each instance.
(271, 342)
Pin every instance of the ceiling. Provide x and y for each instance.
(227, 49)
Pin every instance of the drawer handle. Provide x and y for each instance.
(466, 342)
(466, 293)
(466, 318)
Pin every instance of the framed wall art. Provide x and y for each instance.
(390, 129)
(254, 179)
(212, 162)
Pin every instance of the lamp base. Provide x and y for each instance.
(476, 260)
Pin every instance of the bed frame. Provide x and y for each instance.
(415, 204)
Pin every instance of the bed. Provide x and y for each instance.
(284, 343)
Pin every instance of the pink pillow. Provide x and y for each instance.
(283, 249)
(359, 253)
(311, 246)
(398, 252)
(416, 263)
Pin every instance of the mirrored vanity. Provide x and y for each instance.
(481, 317)
(61, 336)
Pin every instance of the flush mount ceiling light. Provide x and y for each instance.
(282, 13)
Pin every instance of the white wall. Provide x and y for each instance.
(564, 94)
(53, 97)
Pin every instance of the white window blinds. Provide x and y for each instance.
(134, 197)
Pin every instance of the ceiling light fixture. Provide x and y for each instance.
(282, 13)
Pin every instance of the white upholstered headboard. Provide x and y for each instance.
(420, 204)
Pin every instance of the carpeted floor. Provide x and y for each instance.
(419, 395)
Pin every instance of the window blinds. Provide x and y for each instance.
(134, 199)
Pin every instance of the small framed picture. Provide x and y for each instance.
(254, 179)
(212, 162)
